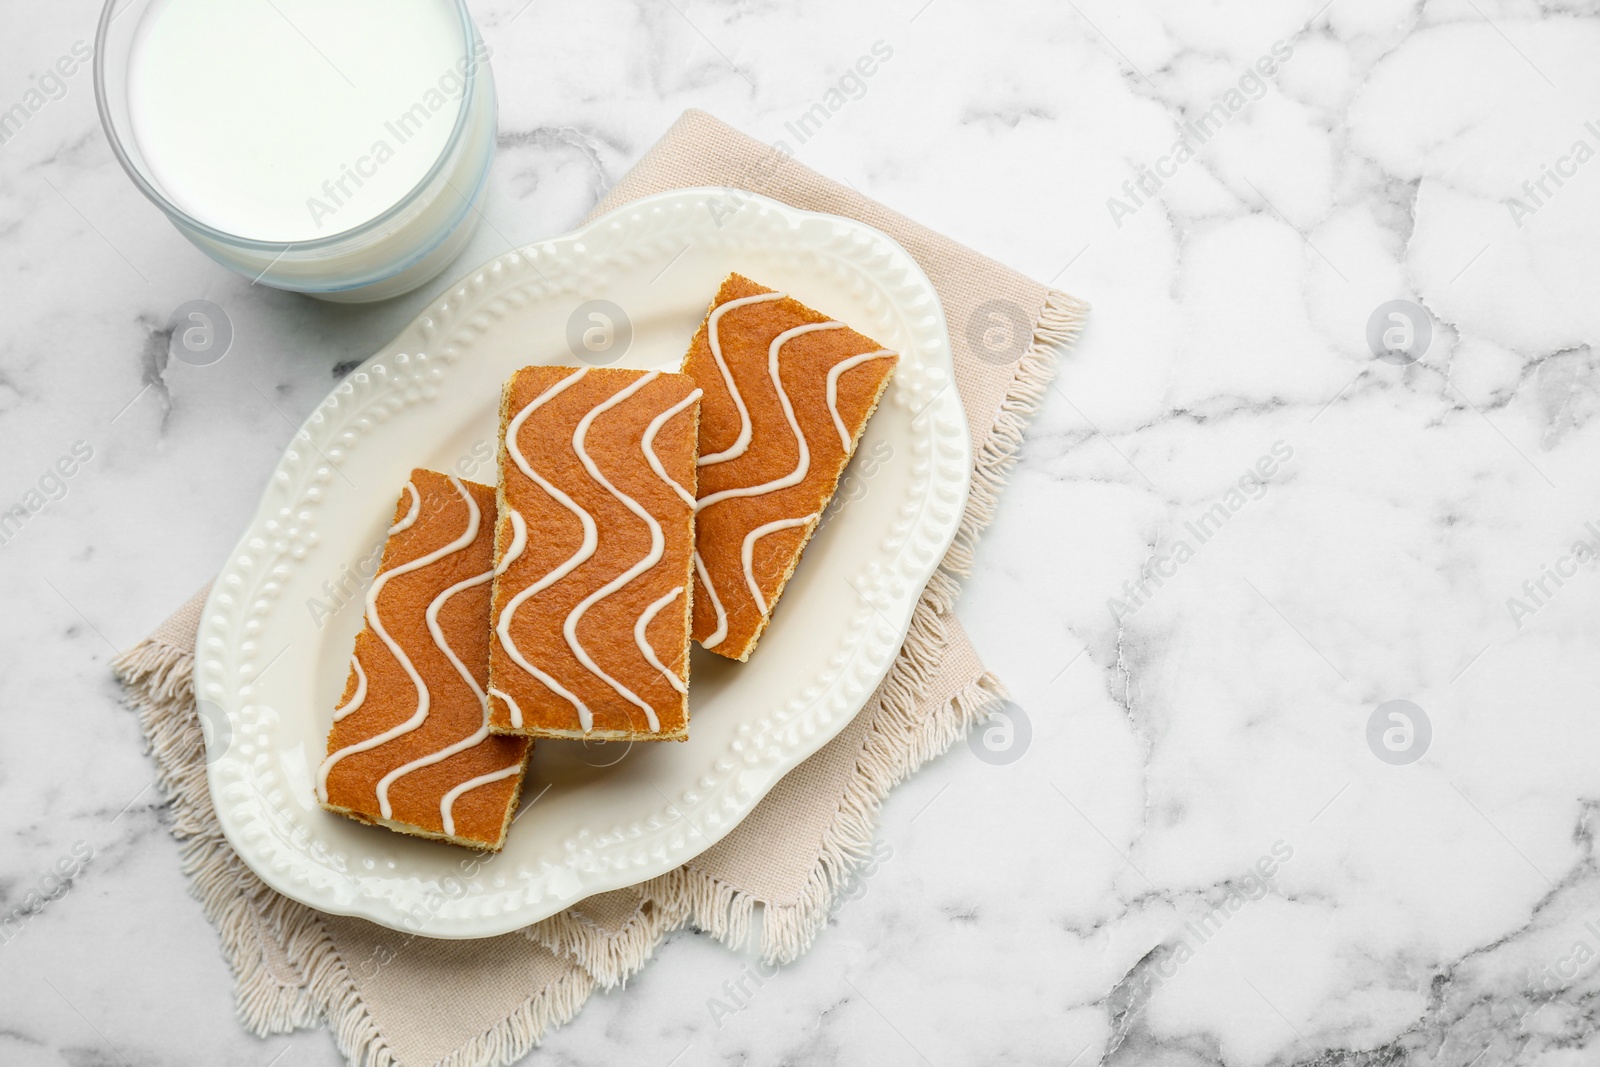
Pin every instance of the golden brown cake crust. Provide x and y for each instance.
(777, 523)
(548, 579)
(380, 696)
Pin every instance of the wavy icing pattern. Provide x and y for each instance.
(713, 321)
(716, 636)
(356, 698)
(591, 540)
(845, 440)
(802, 467)
(643, 642)
(644, 565)
(410, 518)
(747, 551)
(519, 542)
(374, 620)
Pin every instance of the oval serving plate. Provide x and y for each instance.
(276, 633)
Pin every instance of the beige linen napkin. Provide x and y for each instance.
(394, 999)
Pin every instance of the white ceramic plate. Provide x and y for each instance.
(272, 662)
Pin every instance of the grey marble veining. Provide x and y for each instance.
(1233, 535)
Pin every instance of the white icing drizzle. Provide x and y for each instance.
(516, 709)
(649, 441)
(741, 443)
(833, 391)
(519, 541)
(585, 550)
(644, 644)
(569, 628)
(747, 552)
(421, 714)
(591, 539)
(803, 464)
(354, 703)
(411, 513)
(472, 740)
(795, 477)
(721, 631)
(447, 805)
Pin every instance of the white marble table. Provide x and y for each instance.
(1102, 896)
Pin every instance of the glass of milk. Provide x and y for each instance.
(332, 147)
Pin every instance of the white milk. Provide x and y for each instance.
(288, 120)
